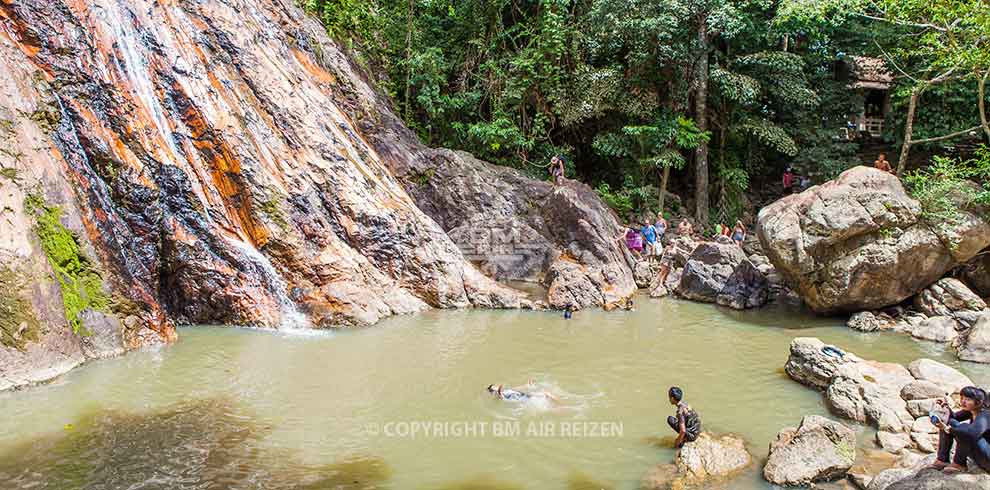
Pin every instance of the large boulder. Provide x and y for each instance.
(818, 450)
(709, 458)
(712, 456)
(869, 391)
(975, 345)
(528, 228)
(812, 362)
(859, 242)
(721, 273)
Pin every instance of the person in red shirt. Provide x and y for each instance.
(788, 181)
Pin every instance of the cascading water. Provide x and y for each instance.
(292, 318)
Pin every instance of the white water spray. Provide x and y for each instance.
(292, 318)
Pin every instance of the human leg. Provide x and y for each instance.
(672, 422)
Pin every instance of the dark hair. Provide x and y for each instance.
(675, 393)
(973, 393)
(491, 388)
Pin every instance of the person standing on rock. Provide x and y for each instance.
(634, 241)
(788, 181)
(661, 227)
(739, 233)
(970, 439)
(685, 422)
(651, 245)
(557, 168)
(685, 228)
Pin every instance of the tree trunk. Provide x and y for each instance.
(981, 95)
(701, 119)
(909, 128)
(663, 185)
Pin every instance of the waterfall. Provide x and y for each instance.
(292, 318)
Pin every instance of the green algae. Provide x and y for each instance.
(18, 325)
(272, 208)
(81, 284)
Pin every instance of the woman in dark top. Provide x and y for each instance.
(970, 439)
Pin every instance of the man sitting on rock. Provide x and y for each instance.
(686, 422)
(970, 438)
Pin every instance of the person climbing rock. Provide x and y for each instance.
(968, 430)
(685, 422)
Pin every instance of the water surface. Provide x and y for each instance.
(243, 408)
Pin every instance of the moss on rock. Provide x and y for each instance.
(18, 325)
(81, 284)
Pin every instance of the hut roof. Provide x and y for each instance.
(867, 72)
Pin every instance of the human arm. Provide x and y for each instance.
(973, 430)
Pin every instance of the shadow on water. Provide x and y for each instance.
(203, 445)
(581, 481)
(481, 482)
(782, 315)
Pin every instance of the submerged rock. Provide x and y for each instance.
(867, 321)
(817, 450)
(859, 242)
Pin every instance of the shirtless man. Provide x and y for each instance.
(881, 163)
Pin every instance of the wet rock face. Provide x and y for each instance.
(216, 163)
(859, 243)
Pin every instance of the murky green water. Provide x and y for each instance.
(239, 408)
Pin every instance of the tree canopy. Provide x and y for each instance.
(697, 97)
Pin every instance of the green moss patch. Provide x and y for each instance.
(81, 284)
(272, 208)
(18, 325)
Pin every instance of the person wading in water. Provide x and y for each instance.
(686, 422)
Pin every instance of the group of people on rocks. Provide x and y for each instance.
(647, 240)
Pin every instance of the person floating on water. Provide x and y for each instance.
(685, 422)
(517, 393)
(968, 430)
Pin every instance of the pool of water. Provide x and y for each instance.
(242, 408)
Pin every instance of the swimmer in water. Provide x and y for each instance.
(516, 394)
